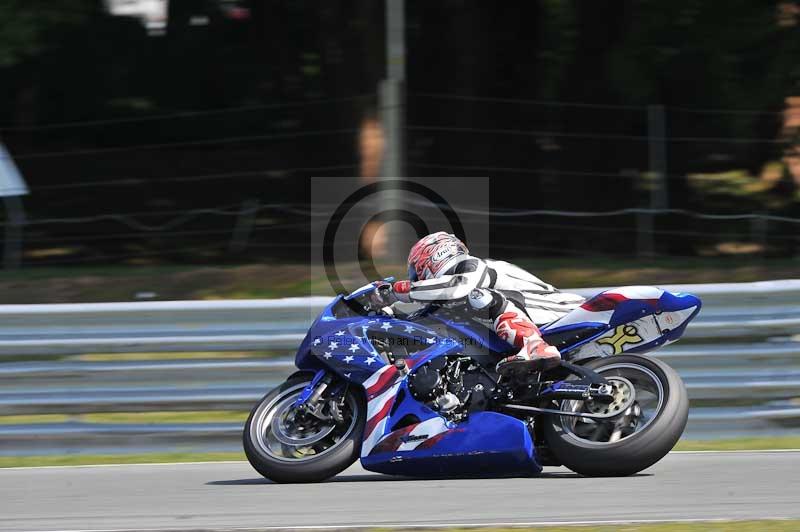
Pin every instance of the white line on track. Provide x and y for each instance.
(492, 524)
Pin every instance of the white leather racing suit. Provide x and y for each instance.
(514, 300)
(491, 285)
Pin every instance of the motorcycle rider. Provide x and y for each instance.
(441, 270)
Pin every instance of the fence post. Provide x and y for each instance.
(244, 226)
(12, 247)
(758, 233)
(392, 102)
(657, 157)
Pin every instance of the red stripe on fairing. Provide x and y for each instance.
(383, 383)
(433, 440)
(374, 420)
(388, 378)
(393, 440)
(413, 361)
(605, 301)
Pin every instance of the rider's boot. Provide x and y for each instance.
(534, 353)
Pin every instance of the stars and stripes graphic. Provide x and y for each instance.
(381, 390)
(417, 436)
(351, 347)
(342, 347)
(351, 351)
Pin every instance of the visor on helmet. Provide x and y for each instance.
(412, 273)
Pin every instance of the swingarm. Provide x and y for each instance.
(590, 388)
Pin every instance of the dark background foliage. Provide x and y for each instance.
(549, 98)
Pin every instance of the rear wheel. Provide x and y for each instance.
(287, 444)
(653, 409)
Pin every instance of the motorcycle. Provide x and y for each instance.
(417, 394)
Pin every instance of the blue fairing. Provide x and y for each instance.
(633, 309)
(482, 336)
(487, 443)
(342, 344)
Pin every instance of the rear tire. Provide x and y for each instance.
(632, 453)
(335, 459)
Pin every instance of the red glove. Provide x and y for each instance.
(402, 287)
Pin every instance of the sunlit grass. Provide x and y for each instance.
(99, 459)
(740, 444)
(210, 416)
(26, 419)
(214, 416)
(199, 355)
(789, 525)
(789, 442)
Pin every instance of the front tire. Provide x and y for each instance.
(293, 452)
(642, 441)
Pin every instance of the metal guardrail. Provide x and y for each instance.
(740, 360)
(737, 309)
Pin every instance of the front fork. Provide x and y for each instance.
(310, 399)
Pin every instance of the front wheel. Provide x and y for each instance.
(647, 428)
(286, 444)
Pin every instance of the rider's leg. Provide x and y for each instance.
(514, 326)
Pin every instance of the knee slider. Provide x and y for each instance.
(486, 303)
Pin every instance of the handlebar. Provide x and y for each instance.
(366, 289)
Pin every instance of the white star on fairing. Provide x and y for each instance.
(340, 333)
(347, 375)
(370, 360)
(431, 340)
(333, 345)
(327, 354)
(317, 340)
(353, 348)
(348, 359)
(386, 326)
(408, 328)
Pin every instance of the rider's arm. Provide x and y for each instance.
(467, 276)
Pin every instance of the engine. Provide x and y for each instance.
(452, 386)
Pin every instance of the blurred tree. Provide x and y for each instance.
(685, 53)
(30, 27)
(69, 61)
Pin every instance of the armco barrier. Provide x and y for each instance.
(740, 360)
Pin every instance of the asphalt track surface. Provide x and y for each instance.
(230, 495)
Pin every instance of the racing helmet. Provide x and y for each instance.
(435, 254)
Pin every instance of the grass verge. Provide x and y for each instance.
(98, 459)
(789, 525)
(200, 355)
(742, 444)
(211, 416)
